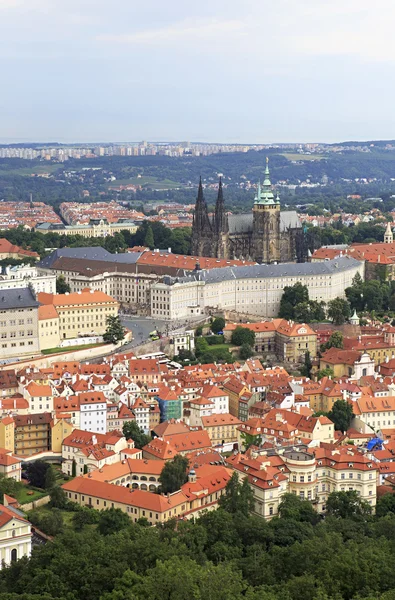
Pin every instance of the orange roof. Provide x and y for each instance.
(87, 296)
(186, 262)
(47, 311)
(38, 390)
(219, 420)
(7, 515)
(123, 495)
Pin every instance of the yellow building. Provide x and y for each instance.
(48, 327)
(7, 431)
(60, 430)
(81, 313)
(32, 434)
(15, 536)
(222, 429)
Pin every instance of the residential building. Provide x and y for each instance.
(170, 403)
(10, 465)
(48, 323)
(223, 430)
(33, 433)
(7, 434)
(93, 411)
(89, 451)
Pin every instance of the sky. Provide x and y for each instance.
(237, 71)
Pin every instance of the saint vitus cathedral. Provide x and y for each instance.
(264, 235)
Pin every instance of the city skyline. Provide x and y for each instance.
(249, 72)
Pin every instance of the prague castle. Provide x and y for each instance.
(264, 235)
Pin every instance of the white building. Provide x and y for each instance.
(184, 340)
(218, 397)
(21, 276)
(141, 412)
(93, 412)
(255, 289)
(15, 536)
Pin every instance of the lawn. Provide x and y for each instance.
(70, 348)
(163, 184)
(28, 171)
(297, 156)
(66, 514)
(23, 497)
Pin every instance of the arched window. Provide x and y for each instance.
(14, 555)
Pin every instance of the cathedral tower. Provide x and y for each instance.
(202, 232)
(388, 236)
(220, 226)
(266, 222)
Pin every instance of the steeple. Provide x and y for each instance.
(388, 236)
(220, 219)
(265, 194)
(201, 220)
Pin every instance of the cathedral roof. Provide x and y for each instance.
(264, 192)
(244, 223)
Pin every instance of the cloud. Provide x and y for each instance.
(184, 31)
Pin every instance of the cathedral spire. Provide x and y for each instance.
(220, 220)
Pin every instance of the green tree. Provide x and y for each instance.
(250, 440)
(58, 497)
(335, 341)
(112, 520)
(36, 473)
(50, 522)
(50, 478)
(386, 505)
(115, 331)
(132, 431)
(341, 414)
(174, 474)
(217, 325)
(328, 372)
(245, 352)
(61, 285)
(242, 335)
(201, 346)
(292, 296)
(305, 370)
(347, 505)
(85, 516)
(73, 468)
(292, 507)
(338, 310)
(238, 497)
(149, 241)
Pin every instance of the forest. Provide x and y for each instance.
(226, 554)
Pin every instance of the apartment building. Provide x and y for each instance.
(83, 451)
(93, 411)
(10, 465)
(18, 323)
(223, 429)
(32, 433)
(48, 327)
(83, 312)
(7, 434)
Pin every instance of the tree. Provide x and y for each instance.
(50, 478)
(245, 352)
(292, 507)
(250, 440)
(58, 497)
(386, 505)
(132, 431)
(8, 486)
(328, 372)
(238, 497)
(347, 505)
(174, 474)
(305, 370)
(335, 341)
(292, 296)
(338, 310)
(85, 516)
(242, 335)
(217, 325)
(115, 331)
(112, 520)
(73, 468)
(36, 473)
(341, 414)
(201, 346)
(61, 285)
(149, 241)
(50, 522)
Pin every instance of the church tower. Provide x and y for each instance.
(388, 236)
(202, 233)
(266, 222)
(220, 226)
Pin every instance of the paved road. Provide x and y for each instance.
(142, 327)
